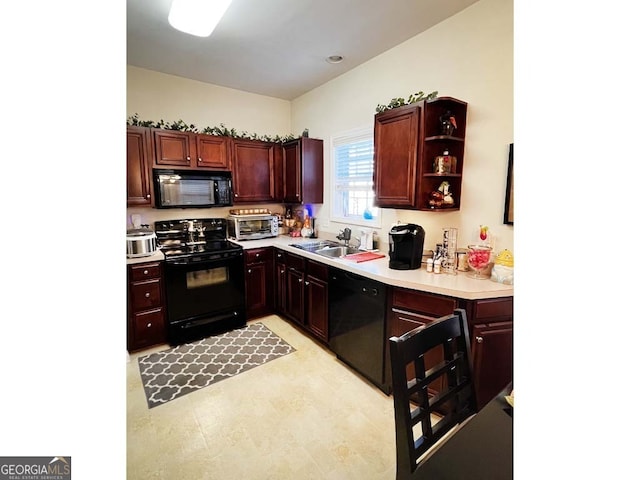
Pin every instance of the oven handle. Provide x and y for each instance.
(215, 261)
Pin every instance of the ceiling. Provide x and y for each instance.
(278, 48)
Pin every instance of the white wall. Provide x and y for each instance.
(469, 56)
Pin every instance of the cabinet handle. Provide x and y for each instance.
(249, 271)
(149, 325)
(188, 158)
(257, 255)
(148, 196)
(235, 194)
(479, 339)
(282, 271)
(147, 295)
(200, 159)
(306, 283)
(299, 280)
(146, 272)
(279, 255)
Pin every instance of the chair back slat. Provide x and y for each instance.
(416, 407)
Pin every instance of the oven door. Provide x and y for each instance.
(204, 297)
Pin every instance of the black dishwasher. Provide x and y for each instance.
(357, 307)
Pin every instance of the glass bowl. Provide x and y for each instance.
(478, 257)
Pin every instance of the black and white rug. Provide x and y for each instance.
(173, 373)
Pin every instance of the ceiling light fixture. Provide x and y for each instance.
(197, 17)
(334, 59)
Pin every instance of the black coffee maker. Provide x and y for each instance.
(405, 246)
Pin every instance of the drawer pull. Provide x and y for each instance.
(149, 325)
(479, 339)
(249, 271)
(146, 272)
(257, 255)
(299, 280)
(147, 295)
(306, 283)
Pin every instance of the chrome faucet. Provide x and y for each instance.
(345, 235)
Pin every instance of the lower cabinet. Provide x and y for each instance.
(258, 277)
(490, 323)
(302, 293)
(145, 308)
(491, 337)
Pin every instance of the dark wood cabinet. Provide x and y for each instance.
(139, 154)
(259, 282)
(397, 148)
(302, 171)
(187, 150)
(317, 299)
(407, 141)
(491, 337)
(302, 293)
(254, 167)
(280, 282)
(146, 312)
(490, 323)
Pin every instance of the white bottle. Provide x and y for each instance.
(436, 266)
(429, 265)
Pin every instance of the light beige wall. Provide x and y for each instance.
(468, 56)
(154, 96)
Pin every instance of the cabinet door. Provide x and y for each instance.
(317, 307)
(396, 154)
(492, 354)
(295, 295)
(173, 148)
(256, 290)
(253, 171)
(138, 157)
(281, 283)
(213, 152)
(291, 173)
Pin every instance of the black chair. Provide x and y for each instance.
(431, 398)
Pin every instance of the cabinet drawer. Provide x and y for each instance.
(145, 295)
(258, 255)
(148, 328)
(145, 271)
(295, 261)
(318, 270)
(422, 302)
(494, 307)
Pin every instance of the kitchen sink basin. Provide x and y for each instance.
(326, 248)
(335, 252)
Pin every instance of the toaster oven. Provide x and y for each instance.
(252, 226)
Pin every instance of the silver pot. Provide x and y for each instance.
(141, 242)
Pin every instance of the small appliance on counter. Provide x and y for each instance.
(141, 240)
(252, 224)
(405, 246)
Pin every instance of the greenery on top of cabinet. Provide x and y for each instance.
(400, 102)
(220, 130)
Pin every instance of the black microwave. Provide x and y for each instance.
(192, 189)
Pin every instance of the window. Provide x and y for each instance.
(352, 179)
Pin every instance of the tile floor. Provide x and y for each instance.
(302, 416)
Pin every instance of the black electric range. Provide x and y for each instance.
(204, 278)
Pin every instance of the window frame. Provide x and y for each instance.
(350, 136)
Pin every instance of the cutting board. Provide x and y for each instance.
(363, 257)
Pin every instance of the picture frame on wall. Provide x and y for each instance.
(508, 202)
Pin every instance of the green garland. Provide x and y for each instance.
(399, 102)
(220, 130)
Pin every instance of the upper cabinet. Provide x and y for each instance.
(188, 150)
(302, 172)
(139, 153)
(419, 155)
(254, 168)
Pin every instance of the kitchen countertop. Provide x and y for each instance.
(158, 256)
(460, 285)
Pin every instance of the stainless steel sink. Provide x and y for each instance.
(335, 252)
(326, 248)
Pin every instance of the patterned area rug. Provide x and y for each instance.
(173, 373)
